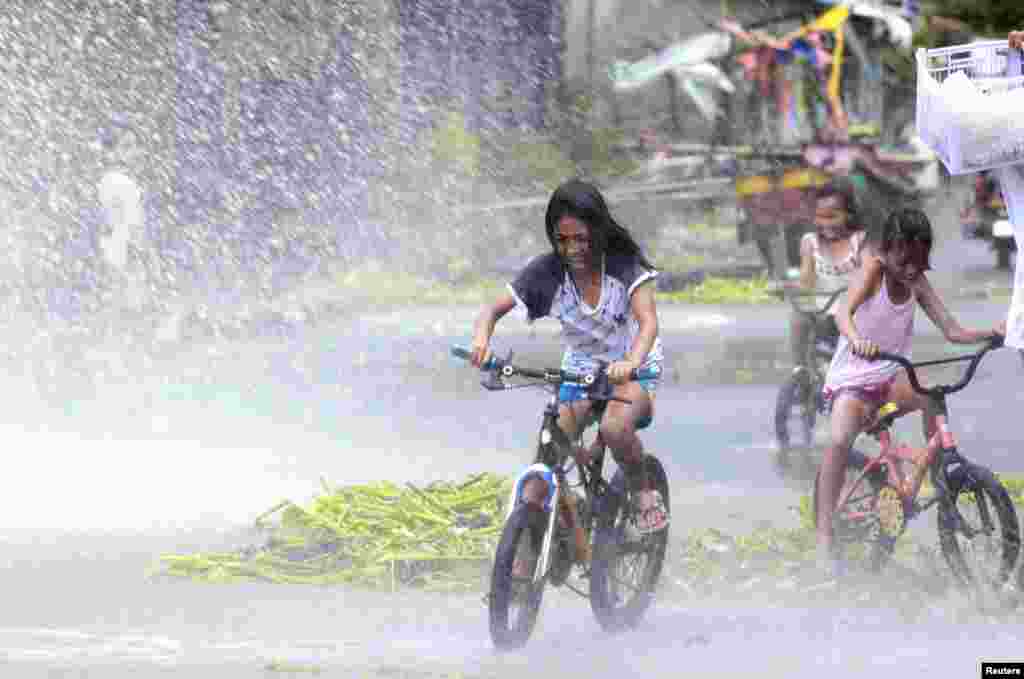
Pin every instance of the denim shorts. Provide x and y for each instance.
(571, 391)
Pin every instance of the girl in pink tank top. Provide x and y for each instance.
(878, 315)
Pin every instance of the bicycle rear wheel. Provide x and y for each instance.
(514, 600)
(626, 565)
(985, 562)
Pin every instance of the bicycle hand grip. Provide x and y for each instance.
(465, 354)
(646, 373)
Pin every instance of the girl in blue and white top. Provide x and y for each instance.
(598, 283)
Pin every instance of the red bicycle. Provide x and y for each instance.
(977, 523)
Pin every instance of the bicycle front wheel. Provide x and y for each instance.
(983, 553)
(626, 566)
(515, 598)
(795, 412)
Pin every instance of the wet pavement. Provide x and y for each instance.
(90, 502)
(180, 456)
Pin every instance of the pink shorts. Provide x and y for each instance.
(875, 394)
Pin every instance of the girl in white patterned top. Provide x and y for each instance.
(828, 255)
(598, 283)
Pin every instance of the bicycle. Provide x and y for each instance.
(879, 500)
(595, 516)
(799, 397)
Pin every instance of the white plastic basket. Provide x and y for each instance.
(970, 105)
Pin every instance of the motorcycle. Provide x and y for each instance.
(985, 217)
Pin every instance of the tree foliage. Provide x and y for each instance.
(986, 17)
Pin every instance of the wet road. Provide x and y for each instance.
(181, 456)
(89, 501)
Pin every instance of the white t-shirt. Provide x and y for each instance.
(602, 333)
(1011, 181)
(121, 199)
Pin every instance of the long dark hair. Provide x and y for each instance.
(584, 201)
(912, 227)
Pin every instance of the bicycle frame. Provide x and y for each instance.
(554, 451)
(554, 448)
(940, 455)
(890, 458)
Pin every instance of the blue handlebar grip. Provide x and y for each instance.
(647, 373)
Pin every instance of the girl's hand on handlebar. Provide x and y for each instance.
(976, 336)
(864, 348)
(480, 353)
(622, 371)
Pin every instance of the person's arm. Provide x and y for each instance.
(641, 303)
(933, 306)
(483, 328)
(863, 284)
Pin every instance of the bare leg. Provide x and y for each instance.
(618, 430)
(849, 416)
(908, 400)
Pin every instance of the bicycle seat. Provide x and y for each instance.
(884, 418)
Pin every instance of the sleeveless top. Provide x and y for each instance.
(831, 275)
(889, 325)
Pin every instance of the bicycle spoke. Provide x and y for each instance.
(631, 583)
(628, 575)
(983, 551)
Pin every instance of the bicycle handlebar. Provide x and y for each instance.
(942, 389)
(791, 296)
(557, 377)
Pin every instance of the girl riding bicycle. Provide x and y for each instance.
(828, 255)
(598, 283)
(878, 315)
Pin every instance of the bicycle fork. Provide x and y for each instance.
(947, 464)
(540, 472)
